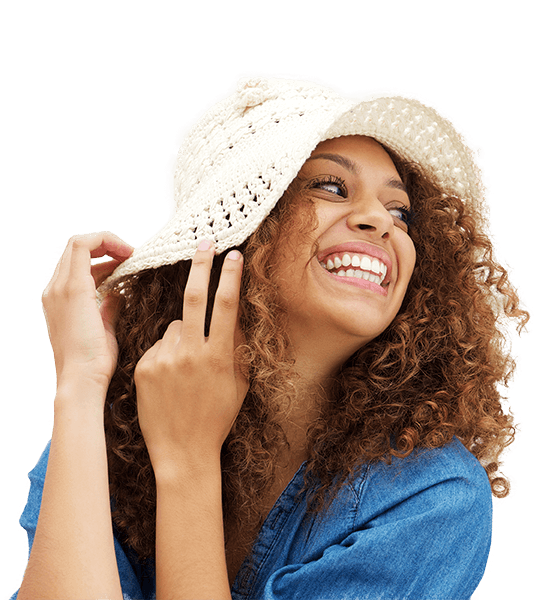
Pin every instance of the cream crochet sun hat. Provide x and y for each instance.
(238, 161)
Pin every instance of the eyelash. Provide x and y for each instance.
(329, 180)
(407, 214)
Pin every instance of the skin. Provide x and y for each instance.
(185, 415)
(332, 317)
(73, 554)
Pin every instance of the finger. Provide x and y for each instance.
(112, 246)
(196, 294)
(102, 271)
(104, 243)
(226, 304)
(94, 245)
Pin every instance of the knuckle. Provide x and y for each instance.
(185, 361)
(48, 299)
(50, 294)
(86, 239)
(46, 293)
(139, 370)
(76, 241)
(194, 297)
(71, 289)
(227, 300)
(45, 299)
(174, 326)
(142, 371)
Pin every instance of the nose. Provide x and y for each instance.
(371, 216)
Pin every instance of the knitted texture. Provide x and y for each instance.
(237, 162)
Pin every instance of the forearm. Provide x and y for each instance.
(73, 553)
(190, 547)
(189, 391)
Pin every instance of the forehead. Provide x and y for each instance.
(352, 144)
(354, 153)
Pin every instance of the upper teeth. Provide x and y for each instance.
(369, 268)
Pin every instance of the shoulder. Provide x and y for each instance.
(446, 479)
(432, 511)
(424, 467)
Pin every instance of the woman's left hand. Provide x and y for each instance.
(189, 388)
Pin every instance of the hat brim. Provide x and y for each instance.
(239, 160)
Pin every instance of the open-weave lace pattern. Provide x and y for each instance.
(238, 161)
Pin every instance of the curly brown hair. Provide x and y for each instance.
(434, 373)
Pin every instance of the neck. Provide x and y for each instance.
(320, 355)
(318, 360)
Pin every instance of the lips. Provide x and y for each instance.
(357, 261)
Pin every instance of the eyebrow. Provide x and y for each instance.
(397, 184)
(348, 164)
(352, 167)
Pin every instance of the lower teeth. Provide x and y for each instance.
(356, 274)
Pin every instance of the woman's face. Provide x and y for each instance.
(345, 283)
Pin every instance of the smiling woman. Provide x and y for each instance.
(291, 390)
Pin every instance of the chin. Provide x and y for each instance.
(358, 333)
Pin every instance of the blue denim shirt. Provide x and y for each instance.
(418, 529)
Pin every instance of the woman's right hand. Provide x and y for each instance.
(81, 334)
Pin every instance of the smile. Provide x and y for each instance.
(356, 266)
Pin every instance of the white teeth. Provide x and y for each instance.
(366, 263)
(376, 267)
(371, 269)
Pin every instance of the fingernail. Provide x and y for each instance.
(234, 255)
(204, 245)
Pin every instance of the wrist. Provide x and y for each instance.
(80, 395)
(76, 375)
(180, 468)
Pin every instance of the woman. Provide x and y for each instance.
(313, 414)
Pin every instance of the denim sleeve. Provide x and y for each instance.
(421, 532)
(129, 572)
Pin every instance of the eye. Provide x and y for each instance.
(403, 215)
(330, 184)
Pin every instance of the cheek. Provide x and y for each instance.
(287, 266)
(298, 246)
(407, 257)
